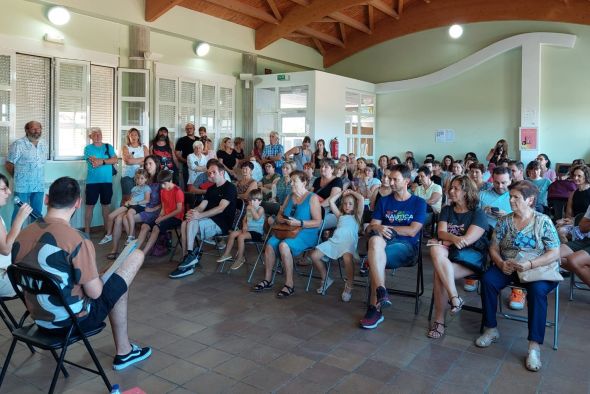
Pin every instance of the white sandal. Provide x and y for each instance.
(533, 360)
(489, 336)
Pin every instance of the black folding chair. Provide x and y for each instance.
(239, 215)
(419, 290)
(9, 319)
(39, 283)
(576, 284)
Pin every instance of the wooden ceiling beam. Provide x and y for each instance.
(156, 8)
(297, 35)
(274, 9)
(385, 8)
(304, 3)
(371, 18)
(243, 8)
(422, 16)
(342, 32)
(400, 6)
(320, 36)
(348, 21)
(319, 46)
(299, 17)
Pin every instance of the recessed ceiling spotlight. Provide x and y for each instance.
(202, 49)
(455, 31)
(58, 16)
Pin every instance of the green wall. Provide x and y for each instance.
(482, 105)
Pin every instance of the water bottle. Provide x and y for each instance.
(115, 389)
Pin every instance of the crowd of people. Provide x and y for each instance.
(497, 222)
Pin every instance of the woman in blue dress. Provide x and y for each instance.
(300, 209)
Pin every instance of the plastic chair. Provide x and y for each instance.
(40, 283)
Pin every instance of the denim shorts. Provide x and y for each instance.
(400, 254)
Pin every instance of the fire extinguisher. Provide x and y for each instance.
(334, 148)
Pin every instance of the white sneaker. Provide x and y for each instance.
(346, 294)
(533, 360)
(107, 238)
(328, 281)
(130, 239)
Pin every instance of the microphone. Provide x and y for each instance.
(33, 214)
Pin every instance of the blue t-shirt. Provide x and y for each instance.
(392, 212)
(489, 198)
(100, 174)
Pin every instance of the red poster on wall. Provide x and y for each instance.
(528, 138)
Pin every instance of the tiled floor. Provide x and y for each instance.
(211, 334)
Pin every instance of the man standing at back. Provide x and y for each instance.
(26, 163)
(57, 248)
(184, 147)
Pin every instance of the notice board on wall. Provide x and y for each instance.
(528, 138)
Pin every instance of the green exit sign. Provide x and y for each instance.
(283, 77)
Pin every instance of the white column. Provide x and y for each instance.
(530, 104)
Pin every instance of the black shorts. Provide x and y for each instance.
(580, 244)
(256, 237)
(101, 307)
(169, 224)
(94, 190)
(137, 208)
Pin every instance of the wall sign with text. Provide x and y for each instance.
(528, 138)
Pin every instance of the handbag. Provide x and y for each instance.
(549, 272)
(285, 231)
(109, 156)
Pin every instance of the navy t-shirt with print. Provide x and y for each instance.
(392, 212)
(458, 223)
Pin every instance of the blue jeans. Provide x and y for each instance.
(495, 280)
(34, 199)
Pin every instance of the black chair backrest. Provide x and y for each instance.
(37, 282)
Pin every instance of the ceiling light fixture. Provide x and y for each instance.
(455, 31)
(202, 49)
(58, 16)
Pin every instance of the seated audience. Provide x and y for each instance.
(73, 265)
(438, 176)
(500, 151)
(227, 155)
(522, 241)
(343, 243)
(152, 208)
(447, 163)
(246, 184)
(461, 249)
(394, 238)
(283, 186)
(476, 171)
(214, 216)
(320, 153)
(382, 166)
(239, 149)
(533, 172)
(139, 197)
(412, 165)
(308, 170)
(7, 238)
(575, 255)
(326, 186)
(546, 170)
(196, 162)
(516, 170)
(252, 229)
(577, 203)
(302, 209)
(429, 191)
(171, 214)
(361, 164)
(269, 181)
(342, 173)
(383, 190)
(559, 192)
(258, 149)
(301, 154)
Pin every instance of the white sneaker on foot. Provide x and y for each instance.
(107, 238)
(328, 282)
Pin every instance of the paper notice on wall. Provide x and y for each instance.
(444, 136)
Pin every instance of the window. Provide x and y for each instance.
(133, 102)
(283, 109)
(359, 126)
(65, 96)
(208, 104)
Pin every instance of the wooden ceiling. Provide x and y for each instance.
(338, 29)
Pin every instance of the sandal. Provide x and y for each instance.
(112, 256)
(284, 294)
(435, 332)
(455, 309)
(263, 285)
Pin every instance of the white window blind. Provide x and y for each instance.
(359, 126)
(72, 102)
(189, 103)
(6, 101)
(226, 104)
(33, 93)
(133, 102)
(208, 107)
(102, 101)
(167, 108)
